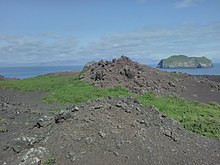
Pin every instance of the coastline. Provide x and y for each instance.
(28, 72)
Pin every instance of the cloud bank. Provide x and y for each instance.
(141, 45)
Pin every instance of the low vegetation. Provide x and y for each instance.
(197, 117)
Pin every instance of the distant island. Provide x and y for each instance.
(182, 61)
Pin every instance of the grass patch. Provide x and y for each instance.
(197, 117)
(63, 90)
(42, 83)
(80, 91)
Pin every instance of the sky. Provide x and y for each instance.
(73, 32)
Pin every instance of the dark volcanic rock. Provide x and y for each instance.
(110, 135)
(124, 72)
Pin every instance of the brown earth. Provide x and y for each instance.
(106, 131)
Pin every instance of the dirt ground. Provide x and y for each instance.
(109, 131)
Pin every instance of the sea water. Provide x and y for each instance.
(197, 71)
(26, 72)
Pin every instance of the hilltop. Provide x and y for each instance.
(182, 61)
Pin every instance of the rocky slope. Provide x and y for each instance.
(182, 61)
(104, 131)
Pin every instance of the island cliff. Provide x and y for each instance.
(182, 61)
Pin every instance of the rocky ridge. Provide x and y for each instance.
(132, 75)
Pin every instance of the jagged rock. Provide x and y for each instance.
(127, 73)
(99, 75)
(61, 116)
(102, 134)
(72, 108)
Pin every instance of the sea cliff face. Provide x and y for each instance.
(182, 61)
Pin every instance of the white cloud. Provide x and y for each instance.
(30, 49)
(156, 43)
(148, 43)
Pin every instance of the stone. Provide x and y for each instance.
(75, 108)
(121, 105)
(168, 133)
(39, 123)
(16, 148)
(127, 110)
(3, 130)
(99, 75)
(98, 106)
(171, 84)
(115, 153)
(61, 116)
(144, 122)
(72, 156)
(102, 134)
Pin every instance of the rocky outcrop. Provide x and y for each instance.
(129, 74)
(182, 61)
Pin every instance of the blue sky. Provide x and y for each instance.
(34, 32)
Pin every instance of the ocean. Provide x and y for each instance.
(198, 71)
(27, 72)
